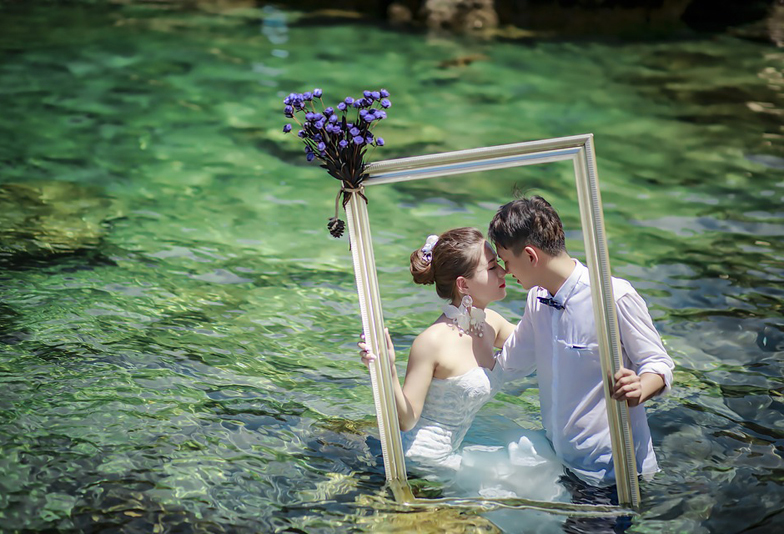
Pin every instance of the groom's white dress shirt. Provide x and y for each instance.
(561, 346)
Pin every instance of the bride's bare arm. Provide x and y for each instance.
(410, 398)
(419, 375)
(503, 328)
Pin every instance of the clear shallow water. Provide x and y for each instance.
(193, 366)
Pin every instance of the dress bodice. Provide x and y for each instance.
(449, 409)
(526, 468)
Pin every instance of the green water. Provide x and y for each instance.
(187, 361)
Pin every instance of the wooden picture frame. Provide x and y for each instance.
(579, 150)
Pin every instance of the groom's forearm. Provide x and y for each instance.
(651, 384)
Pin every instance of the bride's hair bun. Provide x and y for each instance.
(422, 267)
(456, 253)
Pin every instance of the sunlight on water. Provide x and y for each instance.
(178, 329)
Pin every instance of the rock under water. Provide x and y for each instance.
(50, 218)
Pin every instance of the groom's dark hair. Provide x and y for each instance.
(528, 222)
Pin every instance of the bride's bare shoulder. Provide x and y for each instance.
(432, 338)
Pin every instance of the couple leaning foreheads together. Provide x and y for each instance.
(454, 367)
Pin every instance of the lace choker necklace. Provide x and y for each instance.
(466, 318)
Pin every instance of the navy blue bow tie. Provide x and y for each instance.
(551, 302)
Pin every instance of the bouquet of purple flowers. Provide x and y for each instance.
(339, 137)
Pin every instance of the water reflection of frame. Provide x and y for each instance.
(579, 150)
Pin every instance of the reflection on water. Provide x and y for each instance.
(177, 329)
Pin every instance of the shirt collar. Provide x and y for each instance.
(568, 286)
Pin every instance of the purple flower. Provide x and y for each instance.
(328, 135)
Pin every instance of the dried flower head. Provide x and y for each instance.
(336, 227)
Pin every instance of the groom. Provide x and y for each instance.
(557, 338)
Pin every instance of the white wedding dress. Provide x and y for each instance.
(526, 468)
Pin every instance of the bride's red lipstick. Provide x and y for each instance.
(502, 285)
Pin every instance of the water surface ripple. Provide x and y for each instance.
(177, 328)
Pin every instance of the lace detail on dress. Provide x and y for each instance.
(525, 468)
(450, 407)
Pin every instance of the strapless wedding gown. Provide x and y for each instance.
(526, 468)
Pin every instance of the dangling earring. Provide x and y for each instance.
(466, 317)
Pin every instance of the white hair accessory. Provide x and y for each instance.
(427, 250)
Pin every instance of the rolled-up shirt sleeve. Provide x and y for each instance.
(641, 343)
(518, 355)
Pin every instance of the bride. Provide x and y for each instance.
(452, 372)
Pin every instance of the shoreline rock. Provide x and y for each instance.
(757, 19)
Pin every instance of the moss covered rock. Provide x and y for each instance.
(49, 218)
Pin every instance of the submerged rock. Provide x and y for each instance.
(399, 14)
(44, 219)
(460, 15)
